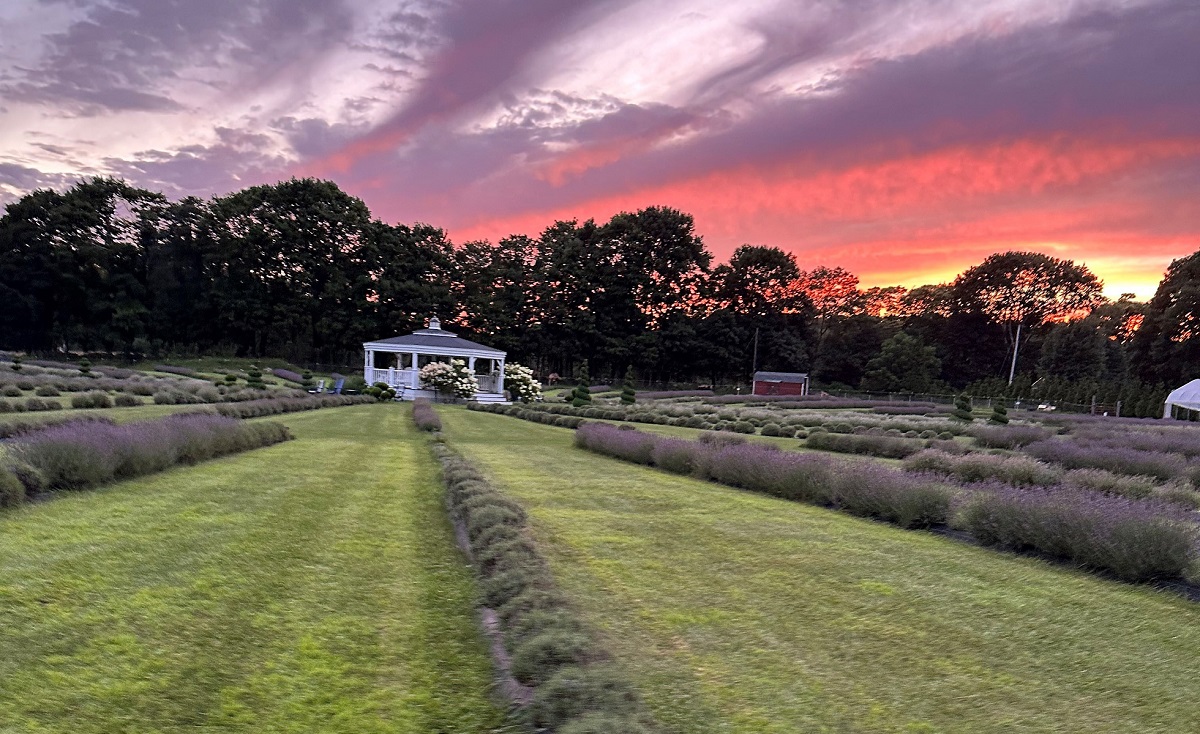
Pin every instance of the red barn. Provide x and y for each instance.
(780, 383)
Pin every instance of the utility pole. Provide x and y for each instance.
(1012, 371)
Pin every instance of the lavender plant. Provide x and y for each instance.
(424, 416)
(81, 455)
(1134, 540)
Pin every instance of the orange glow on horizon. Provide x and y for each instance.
(919, 219)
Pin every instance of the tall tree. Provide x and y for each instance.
(905, 364)
(1167, 345)
(1023, 290)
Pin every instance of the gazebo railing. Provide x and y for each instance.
(410, 379)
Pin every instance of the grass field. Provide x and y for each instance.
(308, 587)
(740, 613)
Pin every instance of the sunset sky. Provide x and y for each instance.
(903, 140)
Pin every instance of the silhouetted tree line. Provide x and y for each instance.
(301, 270)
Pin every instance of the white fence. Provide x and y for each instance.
(411, 380)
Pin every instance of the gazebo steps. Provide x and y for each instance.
(490, 397)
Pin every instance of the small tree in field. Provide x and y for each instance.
(306, 378)
(628, 394)
(85, 367)
(231, 379)
(999, 413)
(582, 394)
(962, 408)
(16, 363)
(254, 378)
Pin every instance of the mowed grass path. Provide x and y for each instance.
(741, 613)
(307, 587)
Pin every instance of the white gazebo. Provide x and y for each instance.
(432, 344)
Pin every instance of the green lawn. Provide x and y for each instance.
(308, 587)
(741, 613)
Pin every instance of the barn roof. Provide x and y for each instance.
(780, 376)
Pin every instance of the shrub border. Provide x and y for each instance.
(530, 612)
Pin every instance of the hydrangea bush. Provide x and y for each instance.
(452, 379)
(519, 381)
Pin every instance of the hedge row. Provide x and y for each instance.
(575, 687)
(536, 416)
(279, 406)
(1134, 539)
(85, 454)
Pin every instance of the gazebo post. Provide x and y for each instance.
(413, 376)
(500, 378)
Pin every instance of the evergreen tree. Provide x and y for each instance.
(85, 367)
(628, 393)
(582, 394)
(962, 408)
(254, 378)
(999, 413)
(16, 363)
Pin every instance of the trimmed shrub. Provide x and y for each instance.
(743, 427)
(121, 400)
(12, 391)
(1135, 540)
(45, 391)
(93, 399)
(538, 658)
(578, 692)
(962, 409)
(601, 723)
(12, 491)
(30, 477)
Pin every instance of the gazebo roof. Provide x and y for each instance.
(434, 340)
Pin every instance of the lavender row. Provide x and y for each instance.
(1135, 540)
(424, 416)
(862, 488)
(561, 677)
(82, 455)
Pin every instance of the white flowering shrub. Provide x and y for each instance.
(452, 379)
(519, 381)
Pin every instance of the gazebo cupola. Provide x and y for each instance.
(397, 361)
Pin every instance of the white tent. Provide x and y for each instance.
(1183, 398)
